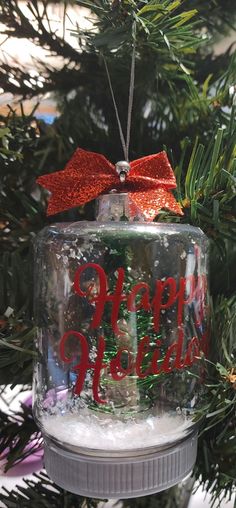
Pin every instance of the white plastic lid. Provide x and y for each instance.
(120, 478)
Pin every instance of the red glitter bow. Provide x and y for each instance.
(89, 174)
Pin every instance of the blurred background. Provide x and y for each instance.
(23, 52)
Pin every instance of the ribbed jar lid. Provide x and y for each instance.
(120, 478)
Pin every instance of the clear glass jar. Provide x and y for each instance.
(122, 313)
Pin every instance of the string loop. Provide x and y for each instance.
(125, 143)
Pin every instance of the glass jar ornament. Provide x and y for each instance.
(122, 313)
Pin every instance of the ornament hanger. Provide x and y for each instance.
(125, 144)
(87, 174)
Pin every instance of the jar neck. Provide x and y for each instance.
(117, 207)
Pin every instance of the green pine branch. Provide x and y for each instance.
(215, 465)
(210, 184)
(20, 436)
(42, 493)
(164, 30)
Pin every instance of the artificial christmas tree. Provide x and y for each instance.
(184, 102)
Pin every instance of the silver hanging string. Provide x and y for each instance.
(122, 138)
(125, 145)
(131, 94)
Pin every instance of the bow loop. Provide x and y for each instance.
(155, 166)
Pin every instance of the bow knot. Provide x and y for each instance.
(88, 174)
(123, 169)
